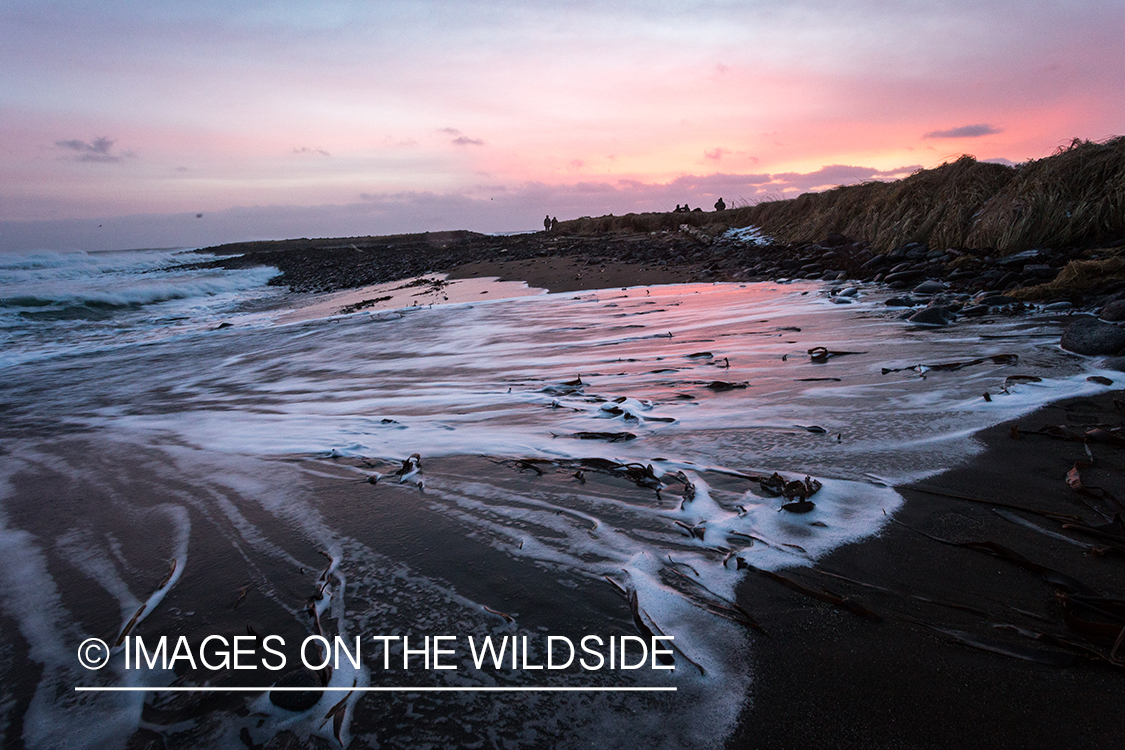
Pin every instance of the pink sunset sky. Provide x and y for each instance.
(343, 117)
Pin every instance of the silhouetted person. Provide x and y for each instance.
(677, 209)
(547, 223)
(719, 205)
(554, 224)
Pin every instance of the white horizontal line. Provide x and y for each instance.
(209, 689)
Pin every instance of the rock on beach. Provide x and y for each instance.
(1093, 337)
(937, 315)
(1114, 311)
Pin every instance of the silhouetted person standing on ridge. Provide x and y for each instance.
(719, 205)
(554, 225)
(547, 223)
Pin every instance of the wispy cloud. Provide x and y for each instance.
(461, 139)
(717, 153)
(400, 142)
(307, 150)
(98, 150)
(965, 131)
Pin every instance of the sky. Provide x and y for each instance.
(159, 124)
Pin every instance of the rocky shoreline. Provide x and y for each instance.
(938, 285)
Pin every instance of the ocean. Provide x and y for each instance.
(193, 453)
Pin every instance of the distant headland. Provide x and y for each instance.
(1046, 230)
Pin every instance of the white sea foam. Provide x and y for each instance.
(748, 235)
(56, 716)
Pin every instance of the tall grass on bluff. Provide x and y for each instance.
(1076, 195)
(932, 205)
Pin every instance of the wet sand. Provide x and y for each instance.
(829, 678)
(435, 289)
(415, 572)
(576, 273)
(488, 280)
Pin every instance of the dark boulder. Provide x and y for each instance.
(900, 302)
(997, 300)
(1039, 271)
(1114, 363)
(1114, 311)
(903, 276)
(1007, 280)
(929, 287)
(1019, 258)
(296, 700)
(1092, 337)
(933, 316)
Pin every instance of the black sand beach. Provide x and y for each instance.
(827, 678)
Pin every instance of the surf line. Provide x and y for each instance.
(531, 689)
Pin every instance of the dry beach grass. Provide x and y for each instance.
(1073, 196)
(1077, 278)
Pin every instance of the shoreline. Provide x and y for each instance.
(934, 287)
(829, 678)
(955, 280)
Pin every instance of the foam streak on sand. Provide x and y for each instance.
(263, 445)
(425, 291)
(32, 598)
